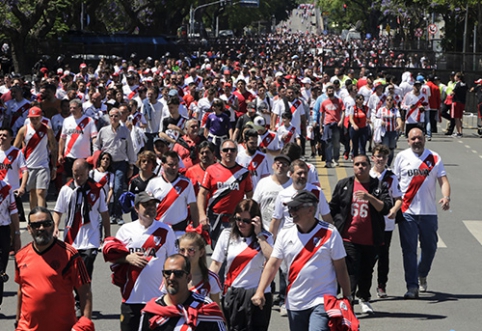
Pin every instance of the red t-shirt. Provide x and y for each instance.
(360, 229)
(218, 178)
(243, 100)
(332, 109)
(196, 175)
(47, 281)
(360, 117)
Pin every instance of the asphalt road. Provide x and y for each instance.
(454, 297)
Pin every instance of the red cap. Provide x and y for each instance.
(478, 81)
(226, 72)
(35, 112)
(228, 85)
(44, 70)
(83, 65)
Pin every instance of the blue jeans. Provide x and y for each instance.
(332, 150)
(413, 228)
(313, 319)
(359, 140)
(119, 169)
(390, 140)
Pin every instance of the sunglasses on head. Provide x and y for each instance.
(45, 223)
(177, 273)
(244, 220)
(227, 149)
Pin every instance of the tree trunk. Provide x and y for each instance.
(19, 56)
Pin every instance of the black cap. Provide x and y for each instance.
(251, 105)
(302, 197)
(161, 139)
(144, 197)
(282, 157)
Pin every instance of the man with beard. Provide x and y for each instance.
(179, 307)
(47, 271)
(331, 123)
(206, 158)
(252, 159)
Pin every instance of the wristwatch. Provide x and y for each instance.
(448, 198)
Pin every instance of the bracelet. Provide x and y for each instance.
(17, 232)
(448, 198)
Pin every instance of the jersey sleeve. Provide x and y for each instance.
(278, 208)
(214, 283)
(337, 249)
(191, 197)
(78, 272)
(219, 254)
(62, 201)
(206, 182)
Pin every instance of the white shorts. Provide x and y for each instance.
(38, 179)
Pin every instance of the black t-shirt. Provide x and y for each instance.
(169, 120)
(137, 185)
(243, 120)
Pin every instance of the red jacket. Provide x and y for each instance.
(340, 312)
(434, 101)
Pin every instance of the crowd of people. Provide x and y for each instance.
(212, 152)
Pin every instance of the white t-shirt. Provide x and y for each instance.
(288, 134)
(8, 206)
(154, 125)
(175, 198)
(109, 180)
(134, 236)
(249, 277)
(257, 165)
(10, 172)
(393, 190)
(265, 195)
(286, 195)
(316, 276)
(409, 167)
(89, 233)
(84, 133)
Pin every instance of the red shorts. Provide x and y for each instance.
(457, 110)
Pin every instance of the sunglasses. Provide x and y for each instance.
(187, 250)
(177, 273)
(232, 150)
(296, 208)
(244, 220)
(45, 223)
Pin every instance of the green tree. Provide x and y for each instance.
(26, 23)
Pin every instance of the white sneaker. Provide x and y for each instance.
(366, 307)
(282, 311)
(423, 284)
(335, 163)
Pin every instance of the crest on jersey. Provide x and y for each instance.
(92, 196)
(10, 157)
(428, 163)
(41, 134)
(343, 306)
(255, 164)
(178, 189)
(316, 240)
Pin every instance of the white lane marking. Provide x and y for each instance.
(474, 151)
(467, 146)
(475, 228)
(440, 243)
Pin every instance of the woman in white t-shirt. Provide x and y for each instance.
(103, 174)
(244, 247)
